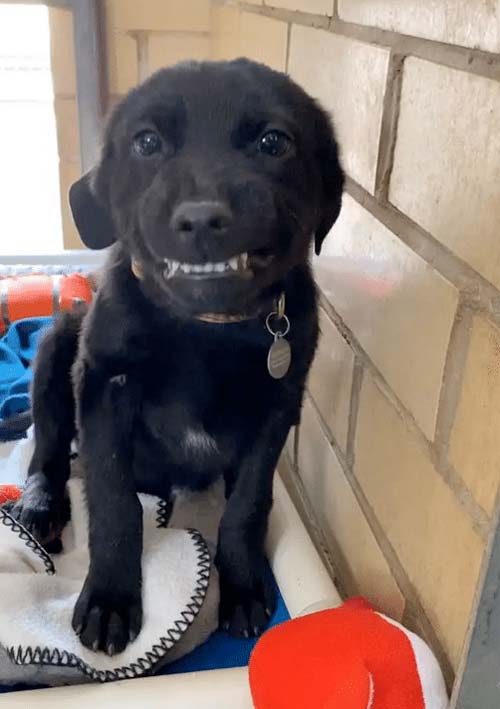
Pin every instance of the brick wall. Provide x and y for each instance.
(396, 463)
(140, 37)
(144, 36)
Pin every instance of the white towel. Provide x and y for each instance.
(38, 594)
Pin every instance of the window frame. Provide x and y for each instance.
(91, 77)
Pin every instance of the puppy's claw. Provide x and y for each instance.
(132, 634)
(79, 628)
(110, 649)
(95, 645)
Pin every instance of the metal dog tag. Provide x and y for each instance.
(279, 357)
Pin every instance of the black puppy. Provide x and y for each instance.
(213, 181)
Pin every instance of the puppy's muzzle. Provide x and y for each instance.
(196, 224)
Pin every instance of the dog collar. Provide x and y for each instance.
(279, 356)
(221, 319)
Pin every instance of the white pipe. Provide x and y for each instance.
(297, 566)
(217, 689)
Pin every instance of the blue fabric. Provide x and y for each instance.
(221, 651)
(17, 350)
(4, 689)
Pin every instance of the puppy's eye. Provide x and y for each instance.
(274, 143)
(146, 143)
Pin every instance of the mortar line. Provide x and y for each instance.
(366, 362)
(178, 34)
(357, 382)
(453, 375)
(479, 519)
(389, 125)
(142, 44)
(473, 61)
(477, 292)
(397, 569)
(288, 44)
(329, 550)
(291, 16)
(292, 476)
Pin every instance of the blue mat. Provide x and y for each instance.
(219, 652)
(17, 350)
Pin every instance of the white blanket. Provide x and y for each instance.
(38, 594)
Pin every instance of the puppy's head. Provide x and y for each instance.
(214, 177)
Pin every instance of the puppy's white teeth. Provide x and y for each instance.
(171, 267)
(234, 264)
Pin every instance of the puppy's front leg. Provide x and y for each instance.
(247, 586)
(108, 612)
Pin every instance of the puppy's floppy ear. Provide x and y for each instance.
(91, 216)
(332, 178)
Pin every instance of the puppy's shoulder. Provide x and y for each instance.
(114, 320)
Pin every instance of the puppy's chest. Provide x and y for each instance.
(199, 406)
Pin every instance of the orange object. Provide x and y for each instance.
(345, 658)
(9, 493)
(38, 295)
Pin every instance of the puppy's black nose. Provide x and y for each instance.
(196, 217)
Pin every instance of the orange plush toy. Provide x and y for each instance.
(9, 493)
(38, 295)
(345, 658)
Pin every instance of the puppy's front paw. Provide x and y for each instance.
(40, 509)
(107, 620)
(245, 611)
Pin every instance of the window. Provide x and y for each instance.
(30, 217)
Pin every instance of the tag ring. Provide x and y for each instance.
(277, 333)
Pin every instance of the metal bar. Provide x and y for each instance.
(90, 77)
(478, 681)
